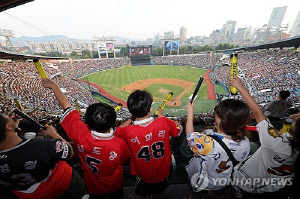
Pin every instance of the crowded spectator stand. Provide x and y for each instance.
(20, 80)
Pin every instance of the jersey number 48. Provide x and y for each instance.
(157, 148)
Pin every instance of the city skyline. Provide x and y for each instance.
(135, 20)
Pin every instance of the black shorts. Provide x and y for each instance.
(145, 189)
(115, 195)
(76, 189)
(7, 194)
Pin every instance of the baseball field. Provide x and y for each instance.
(159, 80)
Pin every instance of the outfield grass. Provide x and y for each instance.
(220, 89)
(115, 79)
(100, 99)
(200, 106)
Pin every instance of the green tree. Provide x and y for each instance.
(182, 50)
(42, 54)
(52, 54)
(86, 54)
(95, 54)
(74, 54)
(157, 52)
(55, 54)
(219, 47)
(207, 48)
(226, 46)
(123, 51)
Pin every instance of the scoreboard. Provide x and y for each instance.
(139, 50)
(140, 55)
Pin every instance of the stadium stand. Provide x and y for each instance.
(266, 73)
(20, 80)
(198, 60)
(255, 66)
(82, 67)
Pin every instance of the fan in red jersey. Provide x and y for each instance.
(148, 141)
(101, 153)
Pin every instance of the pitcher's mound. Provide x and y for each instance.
(163, 90)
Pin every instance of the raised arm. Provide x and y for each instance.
(51, 132)
(61, 98)
(295, 116)
(189, 121)
(237, 83)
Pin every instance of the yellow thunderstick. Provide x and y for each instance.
(164, 103)
(233, 70)
(40, 69)
(77, 106)
(19, 106)
(118, 107)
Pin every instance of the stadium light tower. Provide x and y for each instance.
(7, 34)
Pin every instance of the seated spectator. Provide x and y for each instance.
(278, 108)
(35, 168)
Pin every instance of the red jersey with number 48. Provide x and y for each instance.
(101, 154)
(148, 141)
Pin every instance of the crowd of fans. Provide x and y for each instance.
(266, 74)
(79, 68)
(20, 79)
(205, 119)
(198, 60)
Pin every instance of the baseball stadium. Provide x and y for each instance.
(159, 80)
(142, 125)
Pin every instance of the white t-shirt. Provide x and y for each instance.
(211, 162)
(270, 164)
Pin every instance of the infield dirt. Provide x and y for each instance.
(140, 85)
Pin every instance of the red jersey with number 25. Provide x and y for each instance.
(101, 154)
(148, 141)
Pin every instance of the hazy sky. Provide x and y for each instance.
(139, 19)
